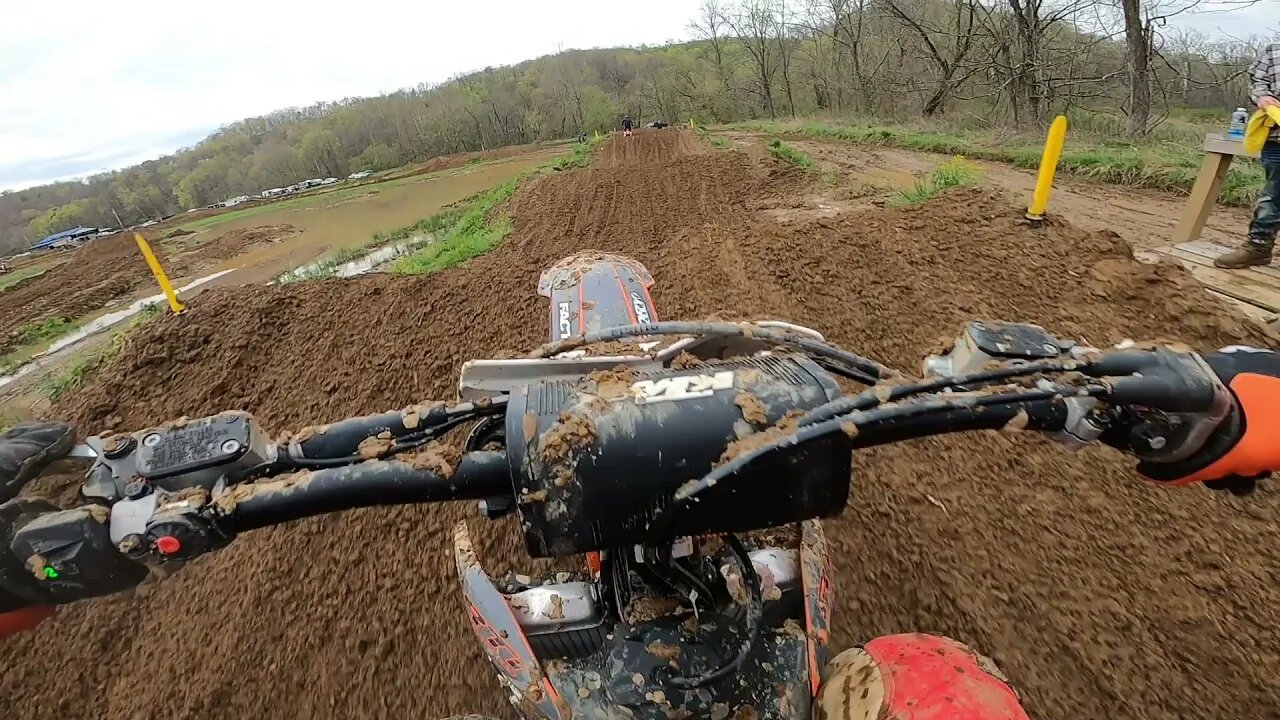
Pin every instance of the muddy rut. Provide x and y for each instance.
(1102, 598)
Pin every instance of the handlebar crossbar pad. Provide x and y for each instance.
(597, 458)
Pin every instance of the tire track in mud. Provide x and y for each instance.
(1036, 559)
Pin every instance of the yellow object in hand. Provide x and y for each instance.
(1259, 128)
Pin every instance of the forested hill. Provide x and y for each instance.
(993, 62)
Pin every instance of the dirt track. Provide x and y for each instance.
(109, 268)
(1102, 598)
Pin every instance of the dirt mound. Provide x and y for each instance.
(649, 147)
(1032, 557)
(111, 268)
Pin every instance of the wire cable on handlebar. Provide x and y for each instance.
(664, 520)
(864, 370)
(755, 611)
(402, 444)
(869, 398)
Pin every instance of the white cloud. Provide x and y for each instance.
(87, 85)
(83, 78)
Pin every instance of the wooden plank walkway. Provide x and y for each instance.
(1255, 291)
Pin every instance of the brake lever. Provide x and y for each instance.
(1171, 399)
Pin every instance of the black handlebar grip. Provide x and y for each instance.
(478, 475)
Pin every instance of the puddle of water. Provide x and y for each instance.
(366, 263)
(55, 350)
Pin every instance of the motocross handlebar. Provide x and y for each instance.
(477, 476)
(601, 473)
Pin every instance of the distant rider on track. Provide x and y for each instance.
(627, 125)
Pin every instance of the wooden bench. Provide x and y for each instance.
(1219, 151)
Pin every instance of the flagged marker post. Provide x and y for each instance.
(1048, 168)
(158, 271)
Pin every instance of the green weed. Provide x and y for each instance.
(579, 157)
(953, 173)
(50, 328)
(461, 233)
(790, 154)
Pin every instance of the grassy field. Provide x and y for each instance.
(19, 275)
(1168, 160)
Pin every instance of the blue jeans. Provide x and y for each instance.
(1266, 216)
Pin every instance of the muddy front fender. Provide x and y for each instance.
(815, 572)
(500, 635)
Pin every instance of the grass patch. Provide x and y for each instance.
(18, 276)
(469, 228)
(579, 157)
(790, 154)
(463, 233)
(58, 384)
(32, 333)
(953, 173)
(1169, 163)
(72, 376)
(716, 140)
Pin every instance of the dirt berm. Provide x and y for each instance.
(1101, 597)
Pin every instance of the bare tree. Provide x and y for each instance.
(753, 23)
(1143, 23)
(946, 47)
(710, 26)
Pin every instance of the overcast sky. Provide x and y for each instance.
(88, 85)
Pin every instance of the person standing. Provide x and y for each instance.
(1265, 93)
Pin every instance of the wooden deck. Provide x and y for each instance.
(1255, 292)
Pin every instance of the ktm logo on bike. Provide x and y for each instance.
(681, 387)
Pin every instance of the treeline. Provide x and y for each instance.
(993, 63)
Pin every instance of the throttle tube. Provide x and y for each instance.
(342, 439)
(479, 475)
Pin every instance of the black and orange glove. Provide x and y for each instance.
(1246, 446)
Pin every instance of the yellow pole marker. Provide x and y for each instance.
(1048, 168)
(158, 271)
(691, 125)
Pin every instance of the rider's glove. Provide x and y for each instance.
(1246, 446)
(50, 556)
(25, 450)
